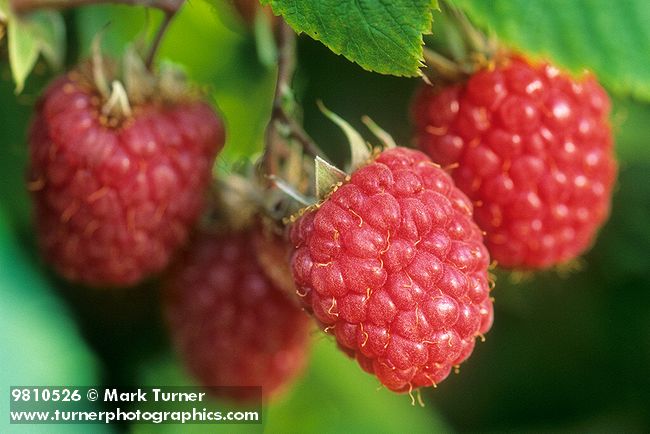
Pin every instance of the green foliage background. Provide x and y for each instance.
(567, 353)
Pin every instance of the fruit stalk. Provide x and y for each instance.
(155, 44)
(279, 114)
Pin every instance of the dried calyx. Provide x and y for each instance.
(467, 50)
(325, 177)
(125, 85)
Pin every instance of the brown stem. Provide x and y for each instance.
(298, 133)
(155, 44)
(286, 62)
(286, 69)
(25, 6)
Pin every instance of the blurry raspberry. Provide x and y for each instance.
(230, 324)
(393, 265)
(532, 148)
(114, 198)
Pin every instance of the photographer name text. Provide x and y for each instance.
(156, 395)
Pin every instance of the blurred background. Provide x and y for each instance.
(566, 353)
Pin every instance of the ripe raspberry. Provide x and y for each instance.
(393, 265)
(231, 325)
(532, 147)
(113, 201)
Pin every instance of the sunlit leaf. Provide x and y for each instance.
(41, 32)
(611, 38)
(381, 36)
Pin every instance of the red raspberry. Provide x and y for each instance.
(231, 325)
(532, 147)
(393, 265)
(113, 201)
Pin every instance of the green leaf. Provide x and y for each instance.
(41, 343)
(381, 36)
(41, 32)
(611, 38)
